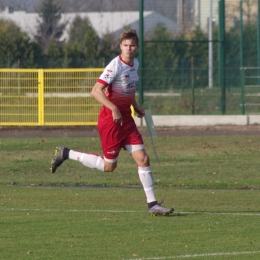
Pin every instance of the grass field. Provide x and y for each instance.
(212, 182)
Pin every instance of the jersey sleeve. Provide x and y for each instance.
(109, 74)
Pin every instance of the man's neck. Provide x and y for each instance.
(128, 61)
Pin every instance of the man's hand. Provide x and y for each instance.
(98, 93)
(117, 117)
(139, 111)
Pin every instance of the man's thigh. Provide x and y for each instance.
(110, 138)
(132, 135)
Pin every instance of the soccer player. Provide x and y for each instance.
(115, 90)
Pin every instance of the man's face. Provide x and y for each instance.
(129, 49)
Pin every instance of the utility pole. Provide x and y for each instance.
(180, 14)
(199, 14)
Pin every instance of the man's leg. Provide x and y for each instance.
(110, 149)
(147, 180)
(90, 160)
(144, 172)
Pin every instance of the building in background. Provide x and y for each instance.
(102, 22)
(202, 12)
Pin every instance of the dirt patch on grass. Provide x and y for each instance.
(91, 131)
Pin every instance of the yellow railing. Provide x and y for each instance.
(48, 97)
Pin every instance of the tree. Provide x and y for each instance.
(49, 26)
(250, 10)
(83, 41)
(56, 55)
(83, 35)
(16, 49)
(159, 57)
(198, 49)
(108, 48)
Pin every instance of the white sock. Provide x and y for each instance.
(89, 160)
(146, 178)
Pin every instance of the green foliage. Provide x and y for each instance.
(158, 57)
(231, 46)
(198, 52)
(198, 49)
(180, 47)
(168, 64)
(83, 36)
(108, 48)
(56, 54)
(16, 49)
(49, 27)
(83, 42)
(250, 44)
(167, 60)
(159, 50)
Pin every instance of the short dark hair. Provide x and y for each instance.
(129, 34)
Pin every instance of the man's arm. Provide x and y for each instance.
(138, 109)
(98, 93)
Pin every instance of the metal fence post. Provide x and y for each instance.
(192, 87)
(40, 97)
(242, 60)
(221, 53)
(258, 40)
(141, 40)
(242, 83)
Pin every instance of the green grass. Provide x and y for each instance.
(212, 182)
(187, 162)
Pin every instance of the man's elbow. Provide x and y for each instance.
(93, 92)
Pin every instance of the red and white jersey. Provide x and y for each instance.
(121, 80)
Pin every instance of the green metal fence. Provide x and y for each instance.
(250, 98)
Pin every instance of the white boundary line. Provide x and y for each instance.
(220, 213)
(197, 255)
(133, 211)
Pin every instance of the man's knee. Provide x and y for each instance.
(141, 158)
(109, 167)
(146, 160)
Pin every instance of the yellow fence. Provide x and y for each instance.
(48, 97)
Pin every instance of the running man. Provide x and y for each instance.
(115, 90)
